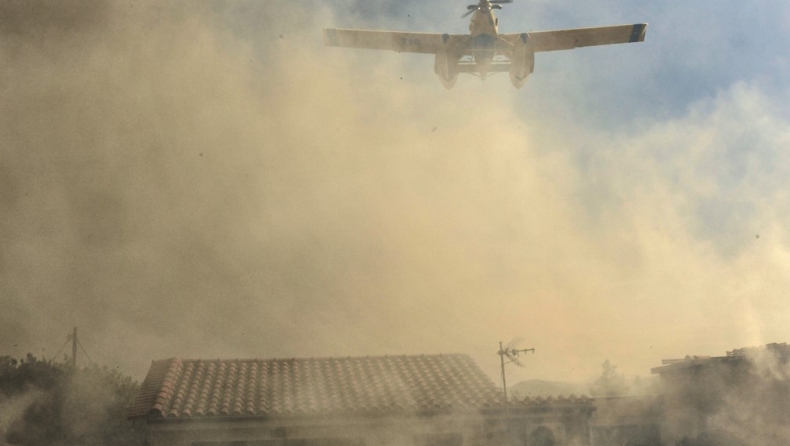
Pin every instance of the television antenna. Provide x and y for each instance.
(510, 352)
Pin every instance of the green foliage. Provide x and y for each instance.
(609, 383)
(49, 403)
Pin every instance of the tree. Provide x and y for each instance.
(609, 383)
(57, 405)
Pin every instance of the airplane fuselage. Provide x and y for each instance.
(484, 32)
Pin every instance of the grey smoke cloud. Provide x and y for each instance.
(740, 400)
(13, 408)
(176, 185)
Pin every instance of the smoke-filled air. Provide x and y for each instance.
(207, 180)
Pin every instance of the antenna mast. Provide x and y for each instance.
(512, 354)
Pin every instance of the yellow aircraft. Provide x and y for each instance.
(484, 50)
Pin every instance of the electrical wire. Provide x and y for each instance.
(61, 349)
(83, 351)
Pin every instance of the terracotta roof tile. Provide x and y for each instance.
(178, 388)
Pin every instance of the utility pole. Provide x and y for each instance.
(74, 350)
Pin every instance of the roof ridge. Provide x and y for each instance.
(318, 358)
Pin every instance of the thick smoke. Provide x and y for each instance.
(202, 180)
(12, 410)
(739, 401)
(177, 192)
(756, 413)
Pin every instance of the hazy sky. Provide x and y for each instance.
(206, 180)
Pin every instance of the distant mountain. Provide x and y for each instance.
(540, 387)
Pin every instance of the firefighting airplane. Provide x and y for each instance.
(484, 50)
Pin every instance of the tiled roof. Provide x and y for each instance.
(176, 388)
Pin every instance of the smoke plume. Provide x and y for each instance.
(206, 180)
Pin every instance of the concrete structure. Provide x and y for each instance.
(428, 400)
(627, 420)
(740, 398)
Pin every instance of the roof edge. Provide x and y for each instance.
(144, 403)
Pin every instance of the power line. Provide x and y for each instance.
(61, 349)
(83, 351)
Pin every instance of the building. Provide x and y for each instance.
(742, 398)
(627, 420)
(427, 400)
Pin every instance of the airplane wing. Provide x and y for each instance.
(401, 42)
(567, 39)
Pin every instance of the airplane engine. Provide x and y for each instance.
(446, 67)
(522, 61)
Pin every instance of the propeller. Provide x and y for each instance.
(495, 4)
